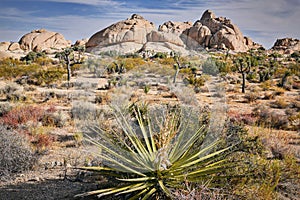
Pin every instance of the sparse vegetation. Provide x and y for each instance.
(36, 106)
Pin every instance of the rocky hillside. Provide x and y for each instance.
(138, 34)
(286, 45)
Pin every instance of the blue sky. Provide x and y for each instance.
(263, 20)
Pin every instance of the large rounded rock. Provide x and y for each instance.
(133, 30)
(40, 40)
(224, 32)
(196, 35)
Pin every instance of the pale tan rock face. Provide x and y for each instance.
(40, 40)
(174, 27)
(286, 45)
(134, 29)
(224, 32)
(208, 32)
(4, 46)
(14, 47)
(197, 35)
(160, 36)
(81, 42)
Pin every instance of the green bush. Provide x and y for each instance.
(48, 76)
(210, 67)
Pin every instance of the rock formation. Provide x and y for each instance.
(4, 46)
(137, 34)
(174, 27)
(286, 45)
(40, 40)
(218, 33)
(125, 36)
(81, 42)
(14, 47)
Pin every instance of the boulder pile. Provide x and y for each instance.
(138, 34)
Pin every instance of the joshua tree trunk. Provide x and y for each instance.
(178, 67)
(69, 70)
(176, 74)
(244, 82)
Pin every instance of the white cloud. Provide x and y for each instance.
(91, 2)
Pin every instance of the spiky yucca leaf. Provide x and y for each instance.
(145, 165)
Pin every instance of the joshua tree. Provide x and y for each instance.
(80, 50)
(178, 66)
(66, 55)
(243, 65)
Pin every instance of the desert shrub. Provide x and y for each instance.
(5, 107)
(13, 92)
(43, 61)
(167, 61)
(278, 91)
(9, 72)
(269, 95)
(33, 56)
(56, 118)
(267, 85)
(130, 55)
(294, 119)
(294, 68)
(242, 118)
(10, 62)
(195, 81)
(48, 76)
(131, 63)
(251, 77)
(102, 98)
(295, 54)
(28, 120)
(109, 53)
(160, 55)
(16, 153)
(251, 97)
(267, 117)
(280, 103)
(76, 67)
(210, 67)
(83, 110)
(21, 115)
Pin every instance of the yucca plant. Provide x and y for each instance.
(154, 156)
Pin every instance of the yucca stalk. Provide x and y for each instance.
(158, 156)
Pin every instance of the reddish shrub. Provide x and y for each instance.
(245, 118)
(22, 115)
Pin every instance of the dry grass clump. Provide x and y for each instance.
(251, 97)
(279, 91)
(280, 103)
(271, 118)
